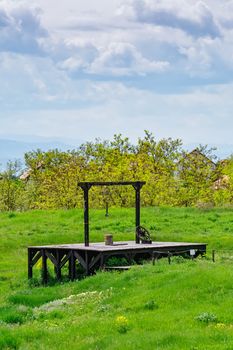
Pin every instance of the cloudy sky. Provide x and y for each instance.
(74, 69)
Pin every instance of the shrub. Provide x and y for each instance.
(151, 305)
(178, 259)
(206, 317)
(116, 261)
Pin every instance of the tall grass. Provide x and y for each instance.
(185, 305)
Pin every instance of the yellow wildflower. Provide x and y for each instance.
(220, 325)
(122, 324)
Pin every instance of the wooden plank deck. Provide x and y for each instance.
(100, 246)
(94, 256)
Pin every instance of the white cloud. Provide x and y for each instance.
(118, 59)
(148, 67)
(158, 38)
(71, 9)
(85, 110)
(145, 37)
(195, 19)
(79, 54)
(21, 28)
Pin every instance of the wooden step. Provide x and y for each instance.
(119, 268)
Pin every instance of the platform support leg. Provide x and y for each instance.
(102, 266)
(87, 263)
(44, 267)
(213, 255)
(30, 272)
(58, 266)
(169, 257)
(72, 267)
(153, 258)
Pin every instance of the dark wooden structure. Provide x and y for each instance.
(94, 256)
(86, 186)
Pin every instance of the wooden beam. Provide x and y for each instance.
(110, 183)
(86, 216)
(94, 260)
(102, 261)
(51, 257)
(30, 254)
(86, 185)
(65, 259)
(44, 267)
(72, 267)
(80, 259)
(58, 267)
(87, 262)
(36, 258)
(137, 214)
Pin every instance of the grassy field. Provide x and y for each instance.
(185, 305)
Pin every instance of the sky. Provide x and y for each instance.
(80, 70)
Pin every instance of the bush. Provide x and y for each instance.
(151, 305)
(206, 317)
(116, 261)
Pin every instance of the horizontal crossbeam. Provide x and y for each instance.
(111, 183)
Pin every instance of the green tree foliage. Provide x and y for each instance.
(158, 162)
(173, 176)
(224, 185)
(11, 188)
(196, 175)
(53, 178)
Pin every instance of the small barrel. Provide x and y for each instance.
(108, 239)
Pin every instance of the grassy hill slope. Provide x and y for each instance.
(185, 305)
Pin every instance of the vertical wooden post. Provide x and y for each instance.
(87, 263)
(153, 258)
(72, 267)
(213, 255)
(137, 188)
(128, 257)
(86, 215)
(106, 209)
(102, 267)
(69, 267)
(30, 272)
(87, 185)
(169, 258)
(58, 266)
(44, 267)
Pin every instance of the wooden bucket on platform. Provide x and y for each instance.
(108, 239)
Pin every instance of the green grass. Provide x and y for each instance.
(185, 305)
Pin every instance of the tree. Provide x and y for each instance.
(196, 175)
(11, 188)
(158, 160)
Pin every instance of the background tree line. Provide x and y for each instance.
(173, 176)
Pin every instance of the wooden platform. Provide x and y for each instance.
(94, 256)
